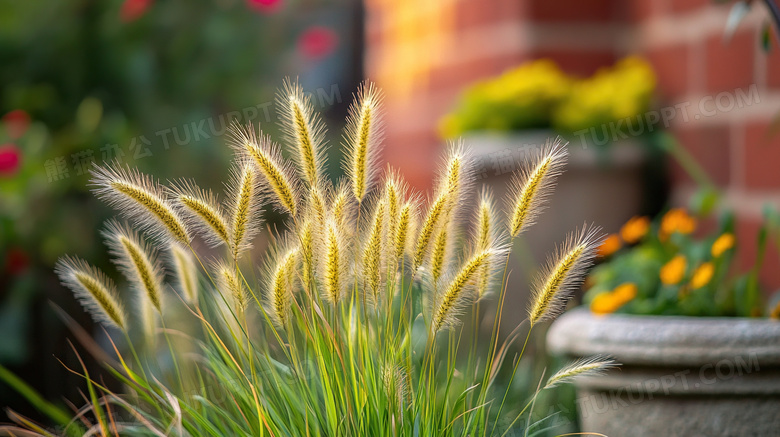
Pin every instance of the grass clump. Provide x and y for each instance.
(353, 325)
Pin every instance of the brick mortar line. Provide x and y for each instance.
(581, 36)
(767, 109)
(691, 27)
(748, 203)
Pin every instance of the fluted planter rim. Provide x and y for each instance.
(665, 340)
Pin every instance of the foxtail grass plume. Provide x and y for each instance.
(363, 138)
(317, 211)
(394, 194)
(282, 277)
(93, 289)
(244, 206)
(583, 367)
(395, 384)
(186, 273)
(281, 184)
(562, 274)
(458, 173)
(456, 295)
(484, 220)
(397, 222)
(485, 235)
(342, 206)
(202, 212)
(454, 178)
(430, 224)
(372, 253)
(317, 204)
(303, 129)
(532, 184)
(141, 199)
(307, 252)
(440, 250)
(231, 286)
(405, 228)
(334, 268)
(137, 261)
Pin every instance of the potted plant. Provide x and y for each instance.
(351, 327)
(698, 354)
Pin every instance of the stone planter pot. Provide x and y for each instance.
(605, 187)
(680, 376)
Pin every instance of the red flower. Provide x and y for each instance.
(16, 261)
(16, 122)
(133, 9)
(10, 157)
(264, 6)
(317, 42)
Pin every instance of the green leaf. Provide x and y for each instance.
(52, 411)
(704, 201)
(766, 37)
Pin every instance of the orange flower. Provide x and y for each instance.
(677, 220)
(610, 301)
(702, 275)
(625, 292)
(722, 244)
(673, 271)
(775, 313)
(634, 229)
(604, 303)
(610, 245)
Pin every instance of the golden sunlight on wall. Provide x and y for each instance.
(415, 37)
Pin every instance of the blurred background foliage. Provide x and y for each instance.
(151, 83)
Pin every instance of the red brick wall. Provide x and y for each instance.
(683, 40)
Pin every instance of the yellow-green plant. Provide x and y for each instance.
(621, 92)
(523, 97)
(354, 326)
(538, 94)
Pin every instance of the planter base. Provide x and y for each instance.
(685, 416)
(679, 376)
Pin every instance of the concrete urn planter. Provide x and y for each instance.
(679, 376)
